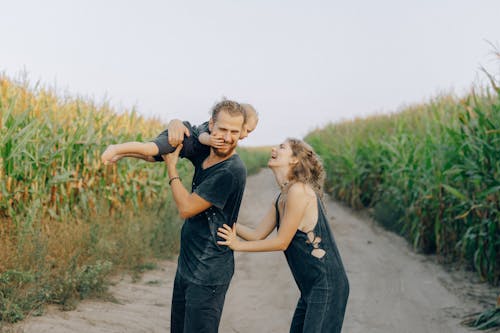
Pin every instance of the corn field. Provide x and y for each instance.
(50, 156)
(430, 172)
(66, 220)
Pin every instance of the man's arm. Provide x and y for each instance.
(188, 204)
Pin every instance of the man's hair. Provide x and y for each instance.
(233, 108)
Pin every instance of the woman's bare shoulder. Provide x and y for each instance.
(301, 189)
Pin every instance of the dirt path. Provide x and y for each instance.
(392, 288)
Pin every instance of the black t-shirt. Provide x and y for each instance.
(191, 146)
(201, 259)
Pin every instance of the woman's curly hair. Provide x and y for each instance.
(309, 169)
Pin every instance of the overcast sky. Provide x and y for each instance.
(302, 64)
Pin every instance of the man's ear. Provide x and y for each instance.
(210, 124)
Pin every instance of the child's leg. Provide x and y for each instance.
(161, 142)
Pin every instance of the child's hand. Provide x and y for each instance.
(229, 235)
(216, 141)
(108, 156)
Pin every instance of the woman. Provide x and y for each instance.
(304, 236)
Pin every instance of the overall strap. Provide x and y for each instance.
(277, 210)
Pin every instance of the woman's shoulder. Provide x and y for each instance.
(301, 189)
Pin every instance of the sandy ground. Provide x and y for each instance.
(392, 288)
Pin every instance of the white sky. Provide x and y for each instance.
(302, 64)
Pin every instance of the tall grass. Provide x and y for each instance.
(430, 172)
(66, 221)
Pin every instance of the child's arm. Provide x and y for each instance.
(142, 150)
(208, 139)
(204, 138)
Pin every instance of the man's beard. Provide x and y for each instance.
(220, 153)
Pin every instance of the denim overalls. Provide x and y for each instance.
(316, 266)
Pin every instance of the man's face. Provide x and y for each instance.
(229, 128)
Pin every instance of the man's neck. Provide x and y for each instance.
(213, 159)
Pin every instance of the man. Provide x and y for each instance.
(204, 268)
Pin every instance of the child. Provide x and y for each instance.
(197, 140)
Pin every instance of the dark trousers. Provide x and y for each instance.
(196, 308)
(320, 312)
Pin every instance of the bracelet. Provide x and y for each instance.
(172, 179)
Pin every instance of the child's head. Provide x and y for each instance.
(252, 118)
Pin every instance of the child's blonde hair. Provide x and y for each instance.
(250, 111)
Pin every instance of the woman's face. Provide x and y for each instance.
(281, 155)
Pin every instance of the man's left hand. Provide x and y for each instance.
(172, 158)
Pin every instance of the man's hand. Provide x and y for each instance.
(172, 159)
(176, 132)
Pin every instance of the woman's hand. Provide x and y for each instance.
(229, 235)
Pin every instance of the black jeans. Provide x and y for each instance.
(196, 308)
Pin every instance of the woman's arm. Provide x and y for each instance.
(263, 229)
(296, 204)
